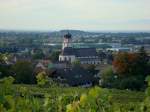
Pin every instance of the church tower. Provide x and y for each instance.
(67, 41)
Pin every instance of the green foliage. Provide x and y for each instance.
(146, 104)
(54, 56)
(42, 79)
(108, 77)
(91, 69)
(7, 85)
(23, 72)
(5, 70)
(96, 100)
(111, 80)
(133, 83)
(148, 80)
(56, 99)
(6, 93)
(58, 104)
(130, 70)
(24, 92)
(53, 83)
(125, 64)
(4, 57)
(76, 63)
(11, 101)
(7, 80)
(38, 54)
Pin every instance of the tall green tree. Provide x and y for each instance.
(107, 77)
(23, 72)
(5, 70)
(54, 56)
(38, 54)
(143, 61)
(42, 79)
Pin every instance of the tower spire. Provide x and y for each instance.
(67, 40)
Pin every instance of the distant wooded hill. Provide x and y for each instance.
(32, 34)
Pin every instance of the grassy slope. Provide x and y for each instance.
(118, 96)
(124, 99)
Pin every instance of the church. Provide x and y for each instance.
(84, 55)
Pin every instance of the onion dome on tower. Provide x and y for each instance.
(68, 36)
(67, 40)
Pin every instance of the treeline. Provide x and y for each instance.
(22, 71)
(128, 71)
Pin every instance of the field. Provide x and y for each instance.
(121, 99)
(32, 98)
(118, 96)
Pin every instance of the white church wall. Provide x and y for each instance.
(70, 58)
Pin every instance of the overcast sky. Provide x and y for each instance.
(99, 15)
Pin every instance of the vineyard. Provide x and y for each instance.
(32, 98)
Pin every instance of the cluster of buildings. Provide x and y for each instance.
(63, 70)
(84, 55)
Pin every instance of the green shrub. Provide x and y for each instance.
(42, 79)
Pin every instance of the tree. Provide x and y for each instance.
(108, 77)
(131, 68)
(42, 79)
(128, 64)
(143, 61)
(23, 72)
(6, 85)
(5, 70)
(1, 58)
(76, 63)
(146, 103)
(54, 56)
(38, 54)
(4, 58)
(131, 82)
(91, 69)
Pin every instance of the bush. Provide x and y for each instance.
(42, 79)
(108, 78)
(23, 72)
(145, 107)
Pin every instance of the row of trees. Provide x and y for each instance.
(128, 71)
(22, 71)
